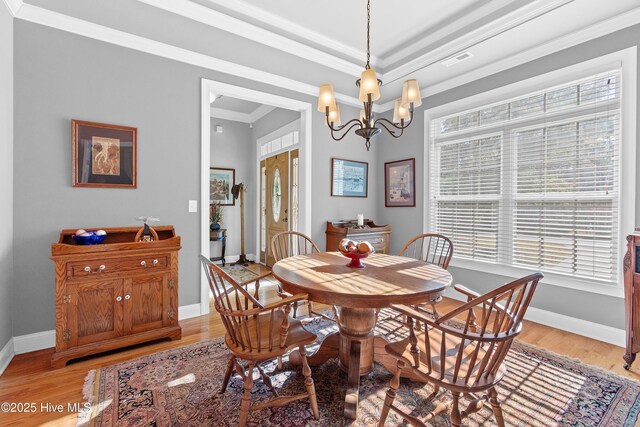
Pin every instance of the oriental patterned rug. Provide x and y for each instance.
(239, 272)
(179, 387)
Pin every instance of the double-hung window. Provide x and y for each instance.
(533, 181)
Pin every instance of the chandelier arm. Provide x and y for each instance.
(339, 128)
(335, 131)
(391, 132)
(396, 126)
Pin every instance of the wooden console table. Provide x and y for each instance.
(377, 235)
(115, 294)
(357, 293)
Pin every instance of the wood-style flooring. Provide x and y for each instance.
(29, 378)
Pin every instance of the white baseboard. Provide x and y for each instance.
(574, 325)
(33, 342)
(188, 311)
(47, 339)
(6, 354)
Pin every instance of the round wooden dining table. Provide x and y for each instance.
(357, 294)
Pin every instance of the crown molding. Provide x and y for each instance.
(303, 32)
(213, 18)
(594, 31)
(235, 116)
(38, 15)
(432, 37)
(600, 29)
(69, 24)
(477, 36)
(13, 6)
(260, 112)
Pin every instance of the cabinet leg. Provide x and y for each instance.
(628, 359)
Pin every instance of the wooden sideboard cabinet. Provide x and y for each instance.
(631, 268)
(377, 235)
(114, 294)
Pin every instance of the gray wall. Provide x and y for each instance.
(234, 149)
(60, 76)
(6, 174)
(325, 207)
(272, 122)
(407, 222)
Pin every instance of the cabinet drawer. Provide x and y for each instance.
(115, 265)
(376, 241)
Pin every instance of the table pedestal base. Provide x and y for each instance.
(356, 346)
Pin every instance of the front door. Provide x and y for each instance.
(277, 199)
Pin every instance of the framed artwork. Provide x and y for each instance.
(400, 183)
(221, 180)
(349, 178)
(103, 155)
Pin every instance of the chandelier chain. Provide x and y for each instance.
(368, 33)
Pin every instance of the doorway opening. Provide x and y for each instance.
(293, 204)
(279, 156)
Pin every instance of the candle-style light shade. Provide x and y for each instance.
(411, 93)
(326, 98)
(334, 116)
(369, 85)
(400, 112)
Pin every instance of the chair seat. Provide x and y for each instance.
(297, 335)
(402, 349)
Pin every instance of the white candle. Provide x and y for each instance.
(360, 219)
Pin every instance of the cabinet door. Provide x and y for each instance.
(96, 312)
(146, 304)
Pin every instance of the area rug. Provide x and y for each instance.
(239, 273)
(179, 387)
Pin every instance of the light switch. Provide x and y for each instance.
(193, 206)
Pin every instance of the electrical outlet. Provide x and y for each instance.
(193, 206)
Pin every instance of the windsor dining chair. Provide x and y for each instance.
(258, 333)
(462, 351)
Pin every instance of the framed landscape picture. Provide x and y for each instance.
(400, 183)
(103, 155)
(349, 178)
(221, 180)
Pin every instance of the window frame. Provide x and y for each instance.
(626, 61)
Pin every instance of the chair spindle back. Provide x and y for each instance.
(490, 323)
(431, 248)
(240, 312)
(291, 243)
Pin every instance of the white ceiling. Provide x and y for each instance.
(411, 38)
(238, 110)
(393, 23)
(235, 104)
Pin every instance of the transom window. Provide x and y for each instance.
(533, 182)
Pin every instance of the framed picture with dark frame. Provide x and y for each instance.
(221, 181)
(349, 178)
(103, 155)
(400, 183)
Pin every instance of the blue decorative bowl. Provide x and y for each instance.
(91, 239)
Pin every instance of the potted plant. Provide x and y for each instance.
(216, 216)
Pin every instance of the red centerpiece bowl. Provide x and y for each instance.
(355, 259)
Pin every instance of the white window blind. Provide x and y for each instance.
(533, 181)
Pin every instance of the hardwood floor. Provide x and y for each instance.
(30, 380)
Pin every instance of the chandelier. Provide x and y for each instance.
(369, 85)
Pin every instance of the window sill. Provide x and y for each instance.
(552, 279)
